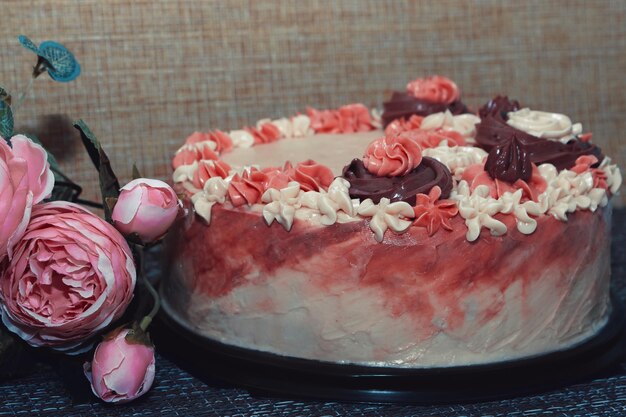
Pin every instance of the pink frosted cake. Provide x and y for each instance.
(424, 236)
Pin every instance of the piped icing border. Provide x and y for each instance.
(307, 193)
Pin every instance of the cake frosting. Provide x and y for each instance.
(446, 239)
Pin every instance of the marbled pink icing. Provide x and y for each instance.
(436, 301)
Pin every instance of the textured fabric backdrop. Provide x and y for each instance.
(156, 70)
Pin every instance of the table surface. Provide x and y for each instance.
(44, 390)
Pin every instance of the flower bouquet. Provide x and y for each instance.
(68, 276)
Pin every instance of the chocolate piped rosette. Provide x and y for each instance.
(423, 97)
(448, 238)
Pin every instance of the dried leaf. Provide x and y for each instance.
(109, 184)
(136, 173)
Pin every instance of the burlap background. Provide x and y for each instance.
(156, 70)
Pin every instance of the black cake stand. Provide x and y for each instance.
(266, 374)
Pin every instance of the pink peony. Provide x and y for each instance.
(25, 179)
(70, 276)
(147, 208)
(121, 371)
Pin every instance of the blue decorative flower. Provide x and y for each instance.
(58, 61)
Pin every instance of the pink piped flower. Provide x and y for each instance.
(146, 208)
(354, 118)
(222, 142)
(25, 180)
(121, 370)
(209, 169)
(266, 133)
(432, 213)
(403, 125)
(277, 177)
(247, 188)
(192, 152)
(197, 137)
(476, 175)
(433, 138)
(350, 118)
(392, 156)
(70, 276)
(311, 175)
(436, 89)
(584, 163)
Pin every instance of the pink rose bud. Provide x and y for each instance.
(70, 276)
(147, 208)
(25, 180)
(121, 370)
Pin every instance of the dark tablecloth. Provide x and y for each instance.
(44, 389)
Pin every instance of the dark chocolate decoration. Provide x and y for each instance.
(403, 105)
(493, 131)
(509, 161)
(420, 180)
(499, 106)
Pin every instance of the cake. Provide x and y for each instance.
(425, 236)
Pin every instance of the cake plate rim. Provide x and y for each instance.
(265, 374)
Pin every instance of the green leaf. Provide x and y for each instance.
(89, 140)
(109, 185)
(6, 121)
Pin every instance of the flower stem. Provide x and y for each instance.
(23, 95)
(145, 322)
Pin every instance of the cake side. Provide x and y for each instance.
(335, 294)
(456, 239)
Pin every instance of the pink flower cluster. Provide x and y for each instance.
(66, 274)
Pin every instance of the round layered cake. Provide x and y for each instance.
(425, 236)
